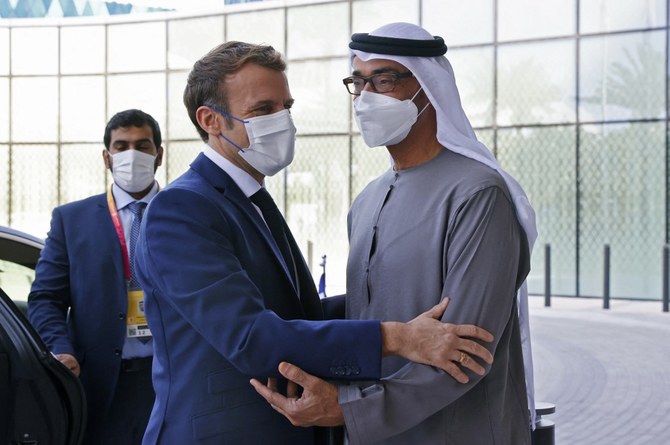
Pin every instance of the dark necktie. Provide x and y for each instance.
(274, 220)
(137, 209)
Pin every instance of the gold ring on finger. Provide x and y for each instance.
(462, 357)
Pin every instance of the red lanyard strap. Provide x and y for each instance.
(114, 213)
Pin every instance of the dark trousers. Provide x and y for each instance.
(130, 410)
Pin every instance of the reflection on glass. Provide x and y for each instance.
(82, 171)
(527, 19)
(31, 45)
(311, 32)
(266, 27)
(82, 120)
(143, 91)
(30, 94)
(82, 49)
(4, 51)
(537, 157)
(4, 109)
(616, 15)
(321, 102)
(179, 155)
(473, 69)
(536, 83)
(136, 47)
(15, 280)
(190, 39)
(459, 22)
(179, 124)
(318, 202)
(621, 76)
(622, 192)
(4, 185)
(369, 15)
(34, 187)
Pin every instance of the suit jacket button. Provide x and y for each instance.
(355, 370)
(122, 315)
(117, 352)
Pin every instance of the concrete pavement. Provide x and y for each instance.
(607, 371)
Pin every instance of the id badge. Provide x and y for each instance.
(136, 321)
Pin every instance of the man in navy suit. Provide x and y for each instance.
(85, 301)
(228, 293)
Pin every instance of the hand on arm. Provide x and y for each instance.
(427, 340)
(316, 406)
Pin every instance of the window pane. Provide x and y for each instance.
(368, 15)
(318, 203)
(82, 109)
(615, 15)
(536, 83)
(34, 188)
(525, 19)
(179, 124)
(28, 95)
(536, 157)
(459, 22)
(622, 76)
(179, 156)
(136, 47)
(4, 184)
(265, 27)
(4, 109)
(4, 51)
(143, 91)
(191, 39)
(82, 49)
(622, 189)
(321, 101)
(34, 51)
(82, 171)
(473, 69)
(311, 32)
(366, 164)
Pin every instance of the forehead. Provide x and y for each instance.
(376, 65)
(131, 133)
(253, 83)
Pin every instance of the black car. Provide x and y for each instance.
(41, 401)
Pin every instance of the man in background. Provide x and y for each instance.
(86, 303)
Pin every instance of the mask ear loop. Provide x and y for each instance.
(424, 108)
(223, 113)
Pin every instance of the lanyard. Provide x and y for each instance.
(114, 213)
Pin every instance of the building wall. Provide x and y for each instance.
(571, 96)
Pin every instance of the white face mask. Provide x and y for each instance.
(384, 120)
(133, 170)
(271, 141)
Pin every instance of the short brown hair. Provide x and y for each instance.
(205, 84)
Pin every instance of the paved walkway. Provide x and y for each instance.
(607, 371)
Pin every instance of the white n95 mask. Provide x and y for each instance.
(271, 141)
(133, 170)
(384, 120)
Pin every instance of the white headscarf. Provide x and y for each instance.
(455, 133)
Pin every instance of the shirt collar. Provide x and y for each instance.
(244, 180)
(122, 198)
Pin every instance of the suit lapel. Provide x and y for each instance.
(231, 192)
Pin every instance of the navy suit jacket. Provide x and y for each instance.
(222, 308)
(81, 270)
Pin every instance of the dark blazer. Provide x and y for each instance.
(222, 308)
(81, 270)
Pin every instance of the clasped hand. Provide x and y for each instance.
(425, 339)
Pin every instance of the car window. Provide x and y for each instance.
(16, 280)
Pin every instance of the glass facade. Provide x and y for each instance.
(570, 95)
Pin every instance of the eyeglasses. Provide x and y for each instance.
(382, 82)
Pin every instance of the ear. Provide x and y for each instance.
(159, 157)
(107, 158)
(208, 120)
